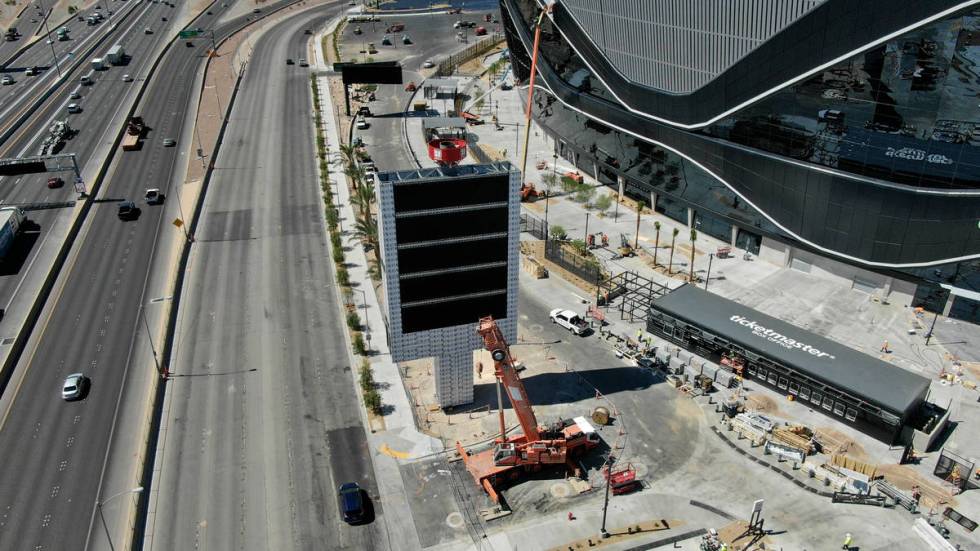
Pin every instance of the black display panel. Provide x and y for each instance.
(26, 167)
(457, 312)
(451, 255)
(451, 225)
(387, 72)
(437, 194)
(437, 286)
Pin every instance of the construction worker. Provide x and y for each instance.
(884, 347)
(847, 541)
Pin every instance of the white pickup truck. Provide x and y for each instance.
(569, 320)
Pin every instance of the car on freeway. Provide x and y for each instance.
(147, 31)
(128, 210)
(153, 196)
(569, 320)
(406, 39)
(303, 63)
(74, 108)
(169, 142)
(49, 41)
(289, 61)
(127, 78)
(307, 31)
(55, 182)
(31, 71)
(362, 123)
(428, 64)
(74, 387)
(351, 503)
(6, 80)
(75, 94)
(365, 111)
(256, 10)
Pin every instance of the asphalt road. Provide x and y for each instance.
(264, 422)
(58, 447)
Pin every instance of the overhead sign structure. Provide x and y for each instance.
(189, 33)
(380, 72)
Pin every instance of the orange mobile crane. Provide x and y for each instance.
(538, 446)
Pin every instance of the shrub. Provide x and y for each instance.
(358, 343)
(335, 238)
(558, 233)
(372, 401)
(603, 202)
(343, 277)
(338, 255)
(353, 321)
(366, 376)
(579, 246)
(332, 219)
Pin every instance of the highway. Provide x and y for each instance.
(99, 104)
(55, 450)
(16, 97)
(263, 421)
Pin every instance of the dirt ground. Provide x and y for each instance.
(730, 532)
(934, 493)
(536, 249)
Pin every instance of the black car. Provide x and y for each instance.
(128, 210)
(351, 503)
(289, 61)
(365, 110)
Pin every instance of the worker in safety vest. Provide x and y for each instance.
(847, 541)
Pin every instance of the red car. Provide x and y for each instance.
(396, 28)
(480, 31)
(55, 182)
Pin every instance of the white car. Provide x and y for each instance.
(362, 123)
(153, 197)
(74, 386)
(127, 78)
(74, 108)
(6, 80)
(569, 320)
(428, 64)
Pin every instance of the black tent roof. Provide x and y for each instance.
(858, 374)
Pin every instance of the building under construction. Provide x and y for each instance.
(876, 397)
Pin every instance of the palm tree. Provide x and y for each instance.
(639, 210)
(694, 237)
(349, 155)
(363, 197)
(356, 174)
(366, 229)
(656, 243)
(670, 262)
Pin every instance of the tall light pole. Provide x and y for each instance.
(367, 328)
(100, 503)
(707, 276)
(47, 32)
(610, 459)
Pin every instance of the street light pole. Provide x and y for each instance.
(610, 459)
(707, 276)
(100, 503)
(367, 328)
(149, 337)
(47, 32)
(931, 327)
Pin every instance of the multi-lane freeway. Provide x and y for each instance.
(263, 424)
(54, 451)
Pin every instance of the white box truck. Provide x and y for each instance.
(116, 55)
(98, 64)
(11, 219)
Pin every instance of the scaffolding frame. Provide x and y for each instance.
(634, 293)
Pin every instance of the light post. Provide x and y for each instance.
(100, 503)
(610, 459)
(47, 32)
(547, 193)
(707, 276)
(367, 328)
(149, 337)
(931, 327)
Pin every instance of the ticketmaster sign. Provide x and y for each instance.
(778, 338)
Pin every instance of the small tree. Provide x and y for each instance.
(343, 278)
(694, 237)
(639, 211)
(579, 247)
(670, 261)
(353, 321)
(603, 203)
(656, 243)
(358, 343)
(558, 233)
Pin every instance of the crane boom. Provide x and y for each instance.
(493, 340)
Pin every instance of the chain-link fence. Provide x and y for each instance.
(585, 268)
(534, 226)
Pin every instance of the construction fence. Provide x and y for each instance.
(450, 64)
(534, 226)
(585, 268)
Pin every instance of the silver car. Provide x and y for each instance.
(74, 386)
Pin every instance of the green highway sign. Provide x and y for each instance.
(189, 33)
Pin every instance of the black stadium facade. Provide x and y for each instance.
(846, 131)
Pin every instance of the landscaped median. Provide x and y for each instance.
(362, 197)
